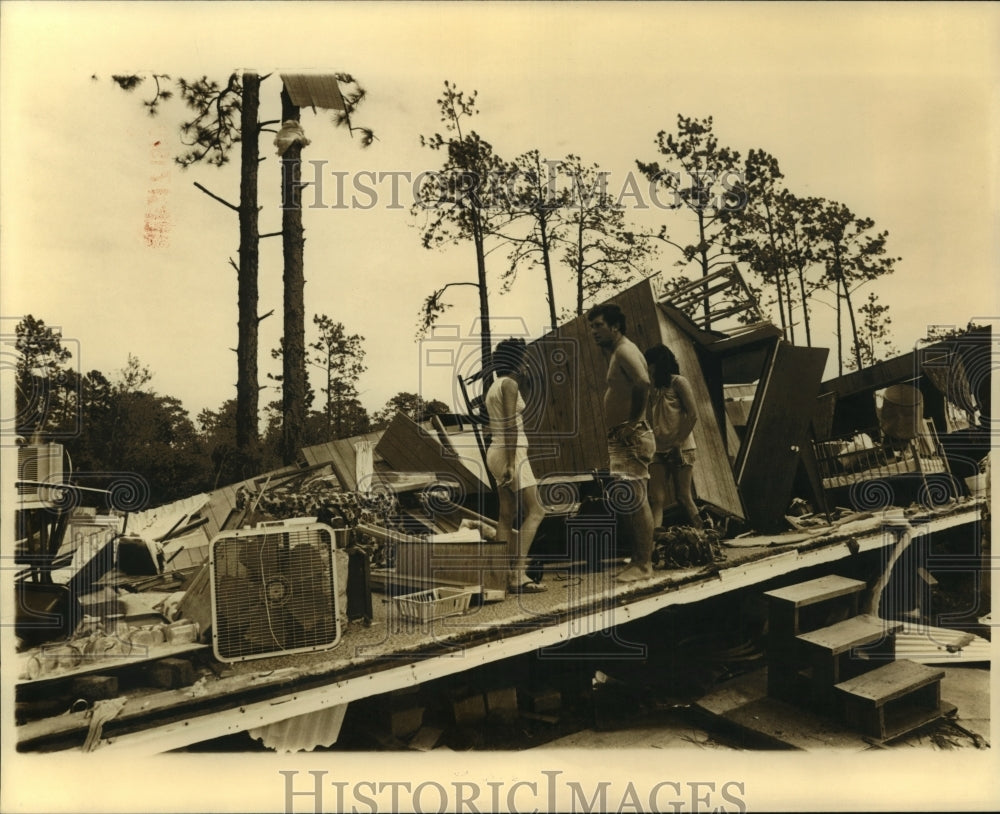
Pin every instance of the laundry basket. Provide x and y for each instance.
(435, 603)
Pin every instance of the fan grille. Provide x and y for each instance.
(274, 591)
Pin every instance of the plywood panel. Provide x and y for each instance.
(573, 372)
(313, 455)
(329, 453)
(341, 456)
(557, 413)
(778, 428)
(344, 462)
(405, 447)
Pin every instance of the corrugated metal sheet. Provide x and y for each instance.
(314, 90)
(938, 645)
(154, 523)
(303, 733)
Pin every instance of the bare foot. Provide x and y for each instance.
(635, 573)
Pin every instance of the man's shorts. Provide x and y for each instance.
(676, 458)
(631, 452)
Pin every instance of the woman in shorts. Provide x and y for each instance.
(507, 459)
(672, 414)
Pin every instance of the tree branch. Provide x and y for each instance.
(665, 240)
(449, 285)
(222, 201)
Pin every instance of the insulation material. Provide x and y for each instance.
(159, 522)
(291, 132)
(364, 465)
(341, 455)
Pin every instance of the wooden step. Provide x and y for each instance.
(822, 589)
(893, 699)
(845, 650)
(809, 605)
(854, 633)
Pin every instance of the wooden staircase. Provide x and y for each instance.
(799, 609)
(826, 657)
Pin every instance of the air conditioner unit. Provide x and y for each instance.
(274, 591)
(40, 463)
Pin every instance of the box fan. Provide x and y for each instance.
(274, 591)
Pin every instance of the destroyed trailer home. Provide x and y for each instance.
(358, 597)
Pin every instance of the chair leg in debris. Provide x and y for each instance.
(476, 410)
(359, 588)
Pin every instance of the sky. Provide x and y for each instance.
(889, 108)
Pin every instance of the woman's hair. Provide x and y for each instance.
(665, 363)
(508, 356)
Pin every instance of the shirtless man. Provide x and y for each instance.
(631, 445)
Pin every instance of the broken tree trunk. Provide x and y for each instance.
(247, 390)
(293, 400)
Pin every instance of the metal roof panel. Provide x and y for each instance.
(314, 90)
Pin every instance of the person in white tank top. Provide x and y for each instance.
(675, 457)
(507, 459)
